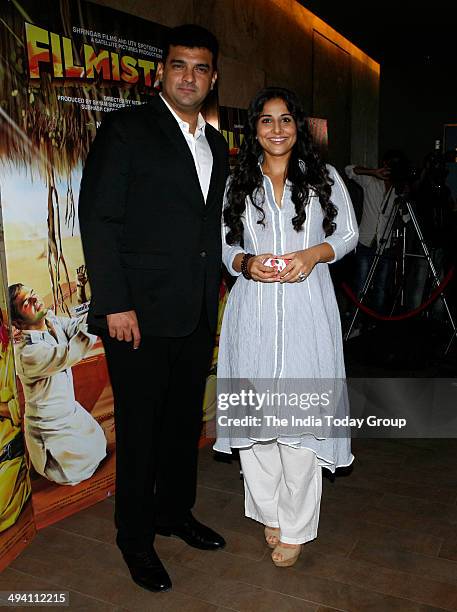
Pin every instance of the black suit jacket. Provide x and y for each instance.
(150, 242)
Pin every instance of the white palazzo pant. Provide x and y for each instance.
(283, 488)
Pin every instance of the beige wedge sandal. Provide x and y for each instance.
(272, 536)
(283, 556)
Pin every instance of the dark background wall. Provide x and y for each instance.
(278, 42)
(416, 44)
(416, 101)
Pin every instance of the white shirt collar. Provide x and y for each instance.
(37, 335)
(185, 127)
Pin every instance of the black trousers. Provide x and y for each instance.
(158, 396)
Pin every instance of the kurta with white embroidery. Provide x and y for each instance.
(288, 330)
(65, 443)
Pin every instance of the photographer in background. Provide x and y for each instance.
(433, 205)
(380, 188)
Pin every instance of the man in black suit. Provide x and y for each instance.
(149, 212)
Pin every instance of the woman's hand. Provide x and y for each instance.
(300, 266)
(259, 272)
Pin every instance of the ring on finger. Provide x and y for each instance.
(302, 276)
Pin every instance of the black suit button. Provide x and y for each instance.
(202, 253)
(205, 218)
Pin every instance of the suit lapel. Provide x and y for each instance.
(171, 130)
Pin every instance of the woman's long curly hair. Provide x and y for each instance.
(306, 171)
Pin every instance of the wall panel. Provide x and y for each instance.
(332, 96)
(270, 42)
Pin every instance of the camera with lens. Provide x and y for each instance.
(400, 171)
(402, 175)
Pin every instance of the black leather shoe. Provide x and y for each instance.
(195, 534)
(147, 570)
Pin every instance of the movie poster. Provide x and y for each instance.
(64, 63)
(17, 524)
(231, 125)
(209, 401)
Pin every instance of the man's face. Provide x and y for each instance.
(30, 308)
(187, 77)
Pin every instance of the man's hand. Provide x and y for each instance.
(17, 334)
(382, 173)
(81, 277)
(4, 411)
(124, 326)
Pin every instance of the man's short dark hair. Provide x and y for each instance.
(13, 292)
(192, 36)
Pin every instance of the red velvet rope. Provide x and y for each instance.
(404, 315)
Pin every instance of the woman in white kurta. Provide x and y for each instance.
(286, 326)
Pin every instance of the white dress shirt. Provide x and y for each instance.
(199, 147)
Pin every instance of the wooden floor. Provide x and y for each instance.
(387, 542)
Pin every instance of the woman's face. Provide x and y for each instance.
(276, 128)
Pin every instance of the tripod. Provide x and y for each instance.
(401, 208)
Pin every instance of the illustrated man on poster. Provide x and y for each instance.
(64, 441)
(149, 212)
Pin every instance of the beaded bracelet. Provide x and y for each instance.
(244, 265)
